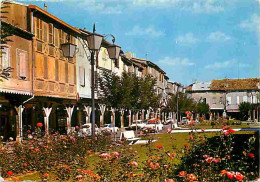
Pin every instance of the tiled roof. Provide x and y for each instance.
(236, 84)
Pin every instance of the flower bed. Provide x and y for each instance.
(224, 157)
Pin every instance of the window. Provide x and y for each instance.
(22, 62)
(39, 28)
(229, 100)
(82, 76)
(221, 100)
(5, 58)
(50, 33)
(61, 33)
(238, 100)
(214, 100)
(244, 98)
(45, 67)
(57, 70)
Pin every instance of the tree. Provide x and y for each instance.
(244, 108)
(7, 30)
(202, 108)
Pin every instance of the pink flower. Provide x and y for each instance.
(202, 129)
(105, 155)
(216, 160)
(169, 130)
(209, 160)
(169, 180)
(133, 163)
(225, 128)
(206, 156)
(77, 127)
(192, 177)
(115, 154)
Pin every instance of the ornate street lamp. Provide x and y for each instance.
(94, 43)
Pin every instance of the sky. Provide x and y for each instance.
(189, 39)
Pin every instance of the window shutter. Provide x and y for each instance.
(50, 33)
(56, 38)
(45, 32)
(45, 67)
(5, 57)
(22, 63)
(82, 76)
(57, 70)
(66, 72)
(75, 75)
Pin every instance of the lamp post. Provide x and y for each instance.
(94, 43)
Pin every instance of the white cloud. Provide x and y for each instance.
(150, 31)
(226, 64)
(175, 61)
(186, 39)
(198, 6)
(251, 24)
(218, 37)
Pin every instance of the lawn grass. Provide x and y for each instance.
(171, 142)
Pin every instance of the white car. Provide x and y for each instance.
(154, 125)
(138, 123)
(86, 129)
(110, 128)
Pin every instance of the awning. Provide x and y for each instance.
(16, 92)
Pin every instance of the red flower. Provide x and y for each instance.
(230, 175)
(39, 124)
(169, 130)
(191, 122)
(156, 165)
(225, 128)
(223, 172)
(89, 172)
(46, 175)
(29, 131)
(182, 174)
(159, 146)
(251, 155)
(206, 156)
(25, 164)
(191, 137)
(239, 176)
(10, 173)
(231, 131)
(226, 133)
(192, 177)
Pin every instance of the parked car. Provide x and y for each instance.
(138, 123)
(168, 121)
(154, 125)
(86, 129)
(110, 128)
(184, 120)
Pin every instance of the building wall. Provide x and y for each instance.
(16, 83)
(55, 76)
(18, 53)
(83, 70)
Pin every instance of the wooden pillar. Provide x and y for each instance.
(69, 115)
(130, 117)
(47, 112)
(19, 123)
(122, 112)
(102, 110)
(87, 109)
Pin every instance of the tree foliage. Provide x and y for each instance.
(185, 103)
(202, 108)
(244, 108)
(128, 91)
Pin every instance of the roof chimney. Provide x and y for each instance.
(45, 6)
(128, 55)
